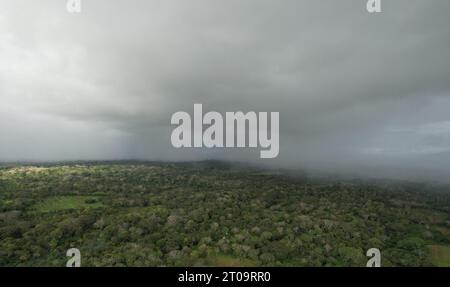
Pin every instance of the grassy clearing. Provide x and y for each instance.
(221, 260)
(57, 203)
(440, 255)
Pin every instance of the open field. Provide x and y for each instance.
(215, 214)
(440, 255)
(57, 203)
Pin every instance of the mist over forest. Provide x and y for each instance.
(357, 93)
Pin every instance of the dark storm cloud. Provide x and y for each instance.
(352, 88)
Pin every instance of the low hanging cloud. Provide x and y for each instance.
(352, 88)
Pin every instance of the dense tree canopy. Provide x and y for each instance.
(156, 214)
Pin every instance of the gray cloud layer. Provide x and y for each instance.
(352, 88)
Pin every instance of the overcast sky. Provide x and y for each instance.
(352, 88)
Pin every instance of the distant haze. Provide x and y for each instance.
(358, 92)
